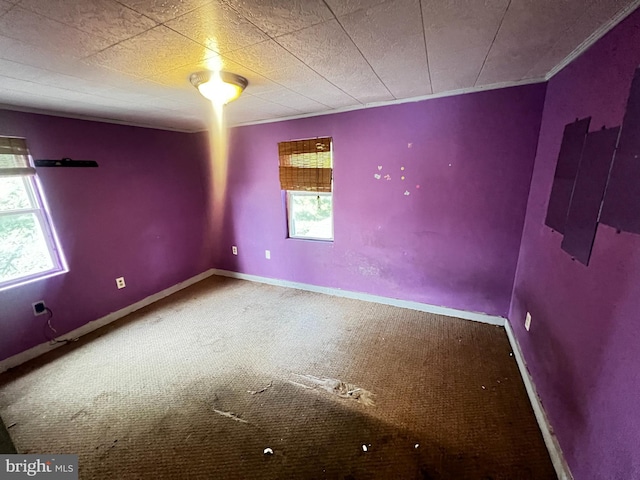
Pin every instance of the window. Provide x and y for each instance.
(306, 174)
(27, 246)
(310, 215)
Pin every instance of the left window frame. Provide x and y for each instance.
(37, 208)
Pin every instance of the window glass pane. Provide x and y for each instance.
(23, 248)
(14, 194)
(311, 216)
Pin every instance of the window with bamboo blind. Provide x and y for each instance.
(306, 174)
(27, 246)
(306, 165)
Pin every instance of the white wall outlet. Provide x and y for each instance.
(234, 250)
(120, 282)
(267, 254)
(39, 308)
(527, 322)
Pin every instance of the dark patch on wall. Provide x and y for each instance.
(621, 208)
(597, 179)
(566, 171)
(590, 183)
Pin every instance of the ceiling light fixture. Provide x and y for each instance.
(219, 87)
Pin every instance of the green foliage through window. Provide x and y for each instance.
(24, 248)
(310, 215)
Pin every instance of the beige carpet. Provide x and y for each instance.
(198, 385)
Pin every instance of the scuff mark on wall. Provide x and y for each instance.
(369, 270)
(362, 265)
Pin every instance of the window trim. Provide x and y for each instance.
(290, 223)
(40, 210)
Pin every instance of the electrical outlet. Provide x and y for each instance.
(120, 283)
(39, 308)
(527, 322)
(234, 250)
(267, 254)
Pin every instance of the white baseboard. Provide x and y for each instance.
(422, 307)
(43, 348)
(550, 440)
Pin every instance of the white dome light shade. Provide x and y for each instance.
(219, 87)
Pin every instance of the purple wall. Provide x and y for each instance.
(583, 349)
(142, 215)
(452, 242)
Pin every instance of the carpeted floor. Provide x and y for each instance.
(200, 384)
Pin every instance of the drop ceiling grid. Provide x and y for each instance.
(528, 30)
(105, 18)
(592, 19)
(32, 28)
(459, 30)
(328, 50)
(133, 57)
(390, 37)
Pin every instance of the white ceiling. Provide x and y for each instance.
(129, 60)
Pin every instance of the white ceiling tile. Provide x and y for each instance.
(343, 7)
(12, 69)
(313, 65)
(241, 116)
(186, 96)
(459, 35)
(303, 80)
(329, 51)
(459, 66)
(153, 117)
(295, 77)
(62, 95)
(281, 110)
(34, 29)
(143, 100)
(391, 38)
(235, 118)
(591, 20)
(176, 105)
(36, 75)
(452, 79)
(250, 108)
(218, 27)
(469, 56)
(530, 28)
(462, 24)
(164, 10)
(259, 85)
(291, 99)
(264, 57)
(105, 18)
(278, 17)
(95, 73)
(328, 94)
(4, 7)
(25, 53)
(154, 51)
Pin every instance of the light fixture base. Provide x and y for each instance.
(201, 79)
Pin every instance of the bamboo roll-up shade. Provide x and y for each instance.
(14, 157)
(306, 165)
